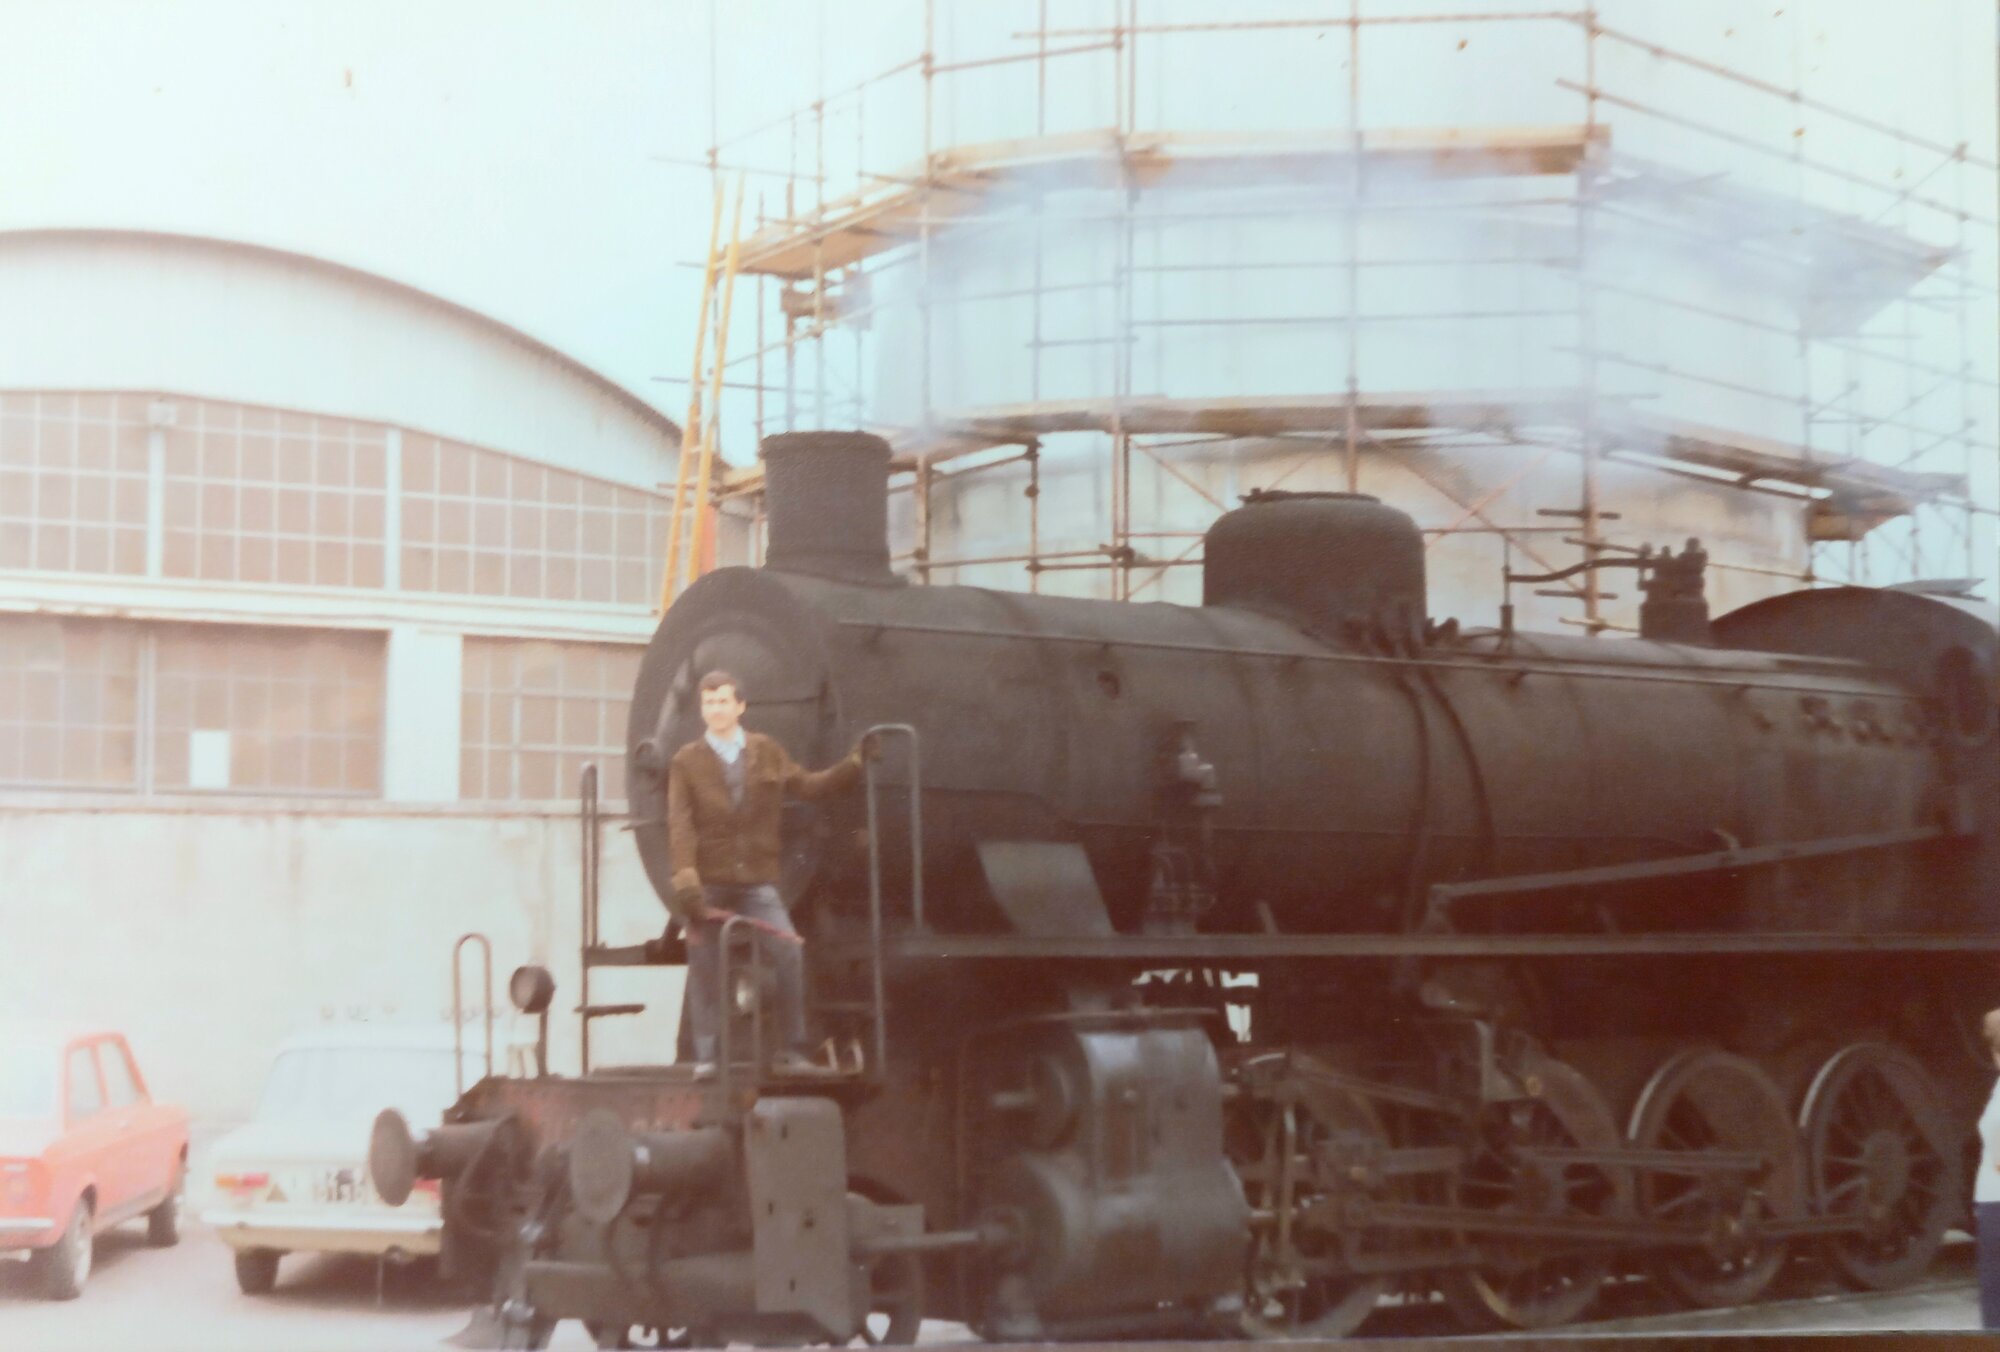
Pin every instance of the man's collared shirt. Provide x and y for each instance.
(728, 748)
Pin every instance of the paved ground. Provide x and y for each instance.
(185, 1298)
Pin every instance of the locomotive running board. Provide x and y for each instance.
(1214, 948)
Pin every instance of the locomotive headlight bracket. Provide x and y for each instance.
(531, 988)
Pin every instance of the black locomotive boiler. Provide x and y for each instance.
(1225, 968)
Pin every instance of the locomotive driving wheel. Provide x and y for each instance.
(1881, 1152)
(1527, 1282)
(1704, 1100)
(1288, 1145)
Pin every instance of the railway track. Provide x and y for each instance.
(1945, 1299)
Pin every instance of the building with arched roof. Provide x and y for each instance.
(317, 593)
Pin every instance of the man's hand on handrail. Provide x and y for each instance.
(688, 904)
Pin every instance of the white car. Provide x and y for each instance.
(295, 1178)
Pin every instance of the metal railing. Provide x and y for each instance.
(879, 1013)
(592, 848)
(458, 1005)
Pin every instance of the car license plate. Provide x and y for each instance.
(340, 1185)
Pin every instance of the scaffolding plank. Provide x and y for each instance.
(897, 209)
(1863, 493)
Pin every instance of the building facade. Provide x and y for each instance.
(317, 595)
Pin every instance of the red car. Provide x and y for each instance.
(83, 1147)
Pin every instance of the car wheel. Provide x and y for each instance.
(163, 1222)
(256, 1271)
(65, 1265)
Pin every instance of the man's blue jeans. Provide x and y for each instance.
(786, 958)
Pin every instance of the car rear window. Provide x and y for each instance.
(323, 1083)
(124, 1090)
(86, 1095)
(28, 1079)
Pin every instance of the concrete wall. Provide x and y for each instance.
(208, 935)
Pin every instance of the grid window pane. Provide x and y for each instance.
(73, 482)
(268, 711)
(534, 712)
(490, 524)
(69, 703)
(256, 496)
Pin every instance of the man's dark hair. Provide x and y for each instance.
(715, 680)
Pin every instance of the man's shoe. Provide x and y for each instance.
(798, 1063)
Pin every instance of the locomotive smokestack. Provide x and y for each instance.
(827, 495)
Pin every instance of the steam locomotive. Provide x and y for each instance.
(1225, 969)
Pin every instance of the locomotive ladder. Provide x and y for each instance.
(876, 1006)
(655, 952)
(591, 860)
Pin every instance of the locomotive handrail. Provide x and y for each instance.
(458, 1006)
(1728, 675)
(590, 857)
(879, 998)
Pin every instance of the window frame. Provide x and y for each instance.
(149, 725)
(87, 1048)
(112, 1051)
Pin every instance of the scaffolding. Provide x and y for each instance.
(1878, 411)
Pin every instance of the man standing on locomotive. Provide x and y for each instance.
(725, 796)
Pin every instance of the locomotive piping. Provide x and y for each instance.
(1657, 676)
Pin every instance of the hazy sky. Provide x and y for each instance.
(498, 153)
(506, 153)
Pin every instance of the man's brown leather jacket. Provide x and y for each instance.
(714, 841)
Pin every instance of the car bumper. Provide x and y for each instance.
(417, 1236)
(20, 1235)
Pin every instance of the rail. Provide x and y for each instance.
(878, 998)
(458, 1005)
(590, 864)
(725, 1050)
(590, 858)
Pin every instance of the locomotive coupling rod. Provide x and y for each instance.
(1813, 1225)
(1432, 1159)
(1655, 1161)
(1580, 1229)
(933, 1241)
(1381, 1091)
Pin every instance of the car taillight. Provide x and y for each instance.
(18, 1183)
(242, 1182)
